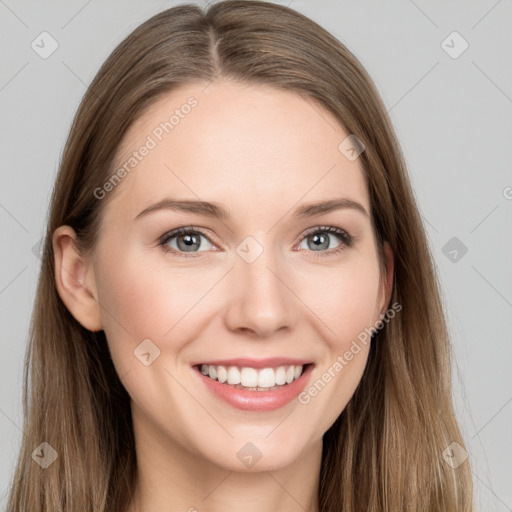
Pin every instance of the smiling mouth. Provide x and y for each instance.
(252, 379)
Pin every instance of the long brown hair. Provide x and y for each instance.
(384, 452)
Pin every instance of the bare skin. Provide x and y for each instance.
(261, 153)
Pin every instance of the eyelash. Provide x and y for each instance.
(345, 239)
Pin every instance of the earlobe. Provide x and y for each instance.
(74, 279)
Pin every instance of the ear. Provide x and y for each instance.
(387, 278)
(74, 278)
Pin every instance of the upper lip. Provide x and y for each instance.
(270, 362)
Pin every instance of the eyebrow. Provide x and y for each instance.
(215, 210)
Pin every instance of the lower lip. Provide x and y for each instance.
(257, 400)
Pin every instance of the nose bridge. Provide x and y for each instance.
(260, 301)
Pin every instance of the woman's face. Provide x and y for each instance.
(251, 285)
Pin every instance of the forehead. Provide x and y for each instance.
(244, 145)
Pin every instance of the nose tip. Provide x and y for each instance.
(259, 301)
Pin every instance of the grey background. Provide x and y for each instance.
(452, 116)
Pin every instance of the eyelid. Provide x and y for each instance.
(168, 235)
(346, 240)
(327, 229)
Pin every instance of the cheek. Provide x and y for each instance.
(345, 298)
(144, 298)
(133, 299)
(347, 305)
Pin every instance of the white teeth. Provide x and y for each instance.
(251, 377)
(233, 375)
(280, 376)
(222, 374)
(266, 378)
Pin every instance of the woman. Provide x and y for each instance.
(237, 308)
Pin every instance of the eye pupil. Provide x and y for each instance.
(190, 241)
(320, 241)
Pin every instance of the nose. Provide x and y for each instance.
(261, 300)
